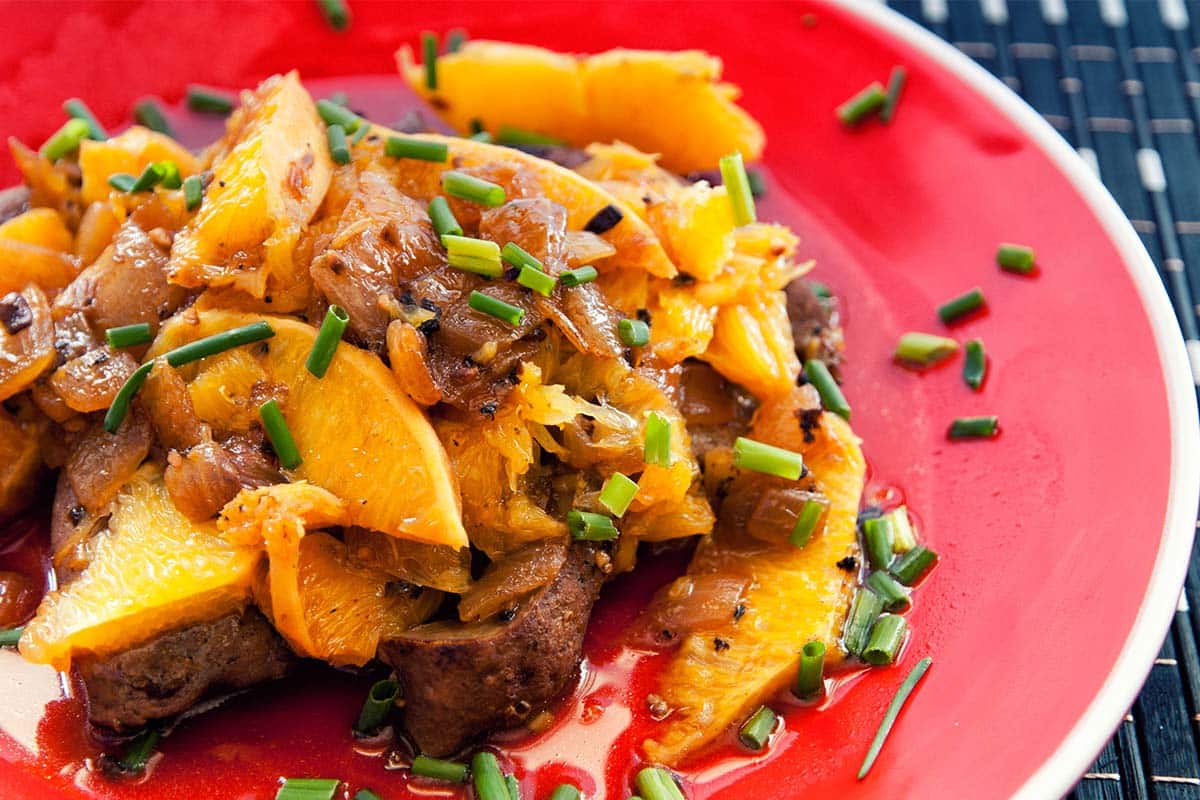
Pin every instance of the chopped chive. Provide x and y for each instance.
(756, 731)
(510, 134)
(810, 678)
(617, 493)
(489, 781)
(737, 185)
(495, 307)
(633, 332)
(65, 140)
(307, 789)
(894, 89)
(862, 105)
(277, 431)
(887, 636)
(533, 278)
(589, 527)
(77, 109)
(436, 768)
(909, 567)
(208, 100)
(514, 788)
(366, 794)
(477, 125)
(328, 338)
(515, 256)
(137, 755)
(806, 522)
(341, 98)
(657, 447)
(429, 48)
(893, 711)
(336, 13)
(831, 394)
(151, 176)
(655, 783)
(403, 147)
(149, 114)
(820, 290)
(468, 246)
(903, 536)
(768, 459)
(377, 707)
(973, 428)
(455, 40)
(128, 335)
(168, 172)
(481, 136)
(925, 348)
(120, 404)
(865, 607)
(443, 219)
(758, 187)
(565, 791)
(10, 636)
(604, 220)
(891, 592)
(339, 149)
(337, 114)
(193, 192)
(577, 277)
(974, 364)
(959, 307)
(361, 134)
(1015, 258)
(877, 540)
(468, 187)
(487, 267)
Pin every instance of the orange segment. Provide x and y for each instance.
(129, 153)
(41, 226)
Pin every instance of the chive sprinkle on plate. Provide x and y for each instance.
(893, 711)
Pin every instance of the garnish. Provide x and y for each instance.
(657, 447)
(756, 731)
(806, 522)
(77, 109)
(443, 219)
(959, 307)
(655, 783)
(887, 635)
(429, 50)
(737, 185)
(489, 781)
(514, 788)
(617, 493)
(337, 114)
(10, 636)
(925, 348)
(403, 147)
(893, 711)
(455, 40)
(128, 335)
(909, 567)
(890, 591)
(864, 609)
(512, 135)
(207, 100)
(495, 307)
(1015, 258)
(565, 791)
(895, 87)
(589, 527)
(831, 394)
(65, 140)
(533, 278)
(479, 256)
(604, 220)
(810, 678)
(277, 431)
(307, 789)
(381, 699)
(515, 256)
(468, 187)
(193, 192)
(877, 541)
(149, 114)
(903, 536)
(137, 755)
(578, 276)
(336, 13)
(860, 106)
(975, 364)
(339, 148)
(633, 332)
(973, 428)
(768, 459)
(439, 770)
(332, 328)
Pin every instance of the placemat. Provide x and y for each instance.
(1121, 82)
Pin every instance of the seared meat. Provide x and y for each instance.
(507, 581)
(170, 674)
(100, 463)
(91, 381)
(462, 680)
(717, 411)
(815, 325)
(169, 406)
(209, 475)
(13, 202)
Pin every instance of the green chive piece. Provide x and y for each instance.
(77, 109)
(891, 592)
(120, 404)
(904, 538)
(737, 185)
(149, 114)
(439, 770)
(468, 187)
(578, 276)
(1015, 258)
(831, 394)
(617, 493)
(864, 609)
(128, 335)
(429, 49)
(810, 678)
(655, 783)
(514, 788)
(756, 731)
(758, 187)
(455, 40)
(361, 134)
(377, 707)
(277, 431)
(489, 781)
(565, 791)
(207, 100)
(973, 428)
(533, 278)
(887, 636)
(657, 446)
(806, 522)
(877, 540)
(633, 332)
(959, 307)
(149, 178)
(589, 527)
(496, 307)
(137, 755)
(894, 88)
(341, 98)
(403, 147)
(974, 364)
(481, 136)
(193, 192)
(893, 711)
(820, 290)
(10, 636)
(509, 134)
(339, 149)
(768, 459)
(337, 114)
(486, 267)
(909, 567)
(515, 256)
(336, 13)
(307, 789)
(328, 338)
(65, 140)
(860, 106)
(168, 172)
(443, 219)
(366, 794)
(468, 246)
(925, 348)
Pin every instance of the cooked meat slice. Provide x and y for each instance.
(13, 202)
(170, 674)
(537, 225)
(716, 411)
(463, 679)
(26, 339)
(511, 579)
(815, 325)
(91, 381)
(209, 475)
(101, 463)
(129, 282)
(169, 405)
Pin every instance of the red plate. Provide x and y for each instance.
(1065, 540)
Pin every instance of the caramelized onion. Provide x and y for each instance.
(100, 463)
(507, 581)
(89, 382)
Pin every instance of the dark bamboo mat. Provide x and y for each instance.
(1121, 82)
